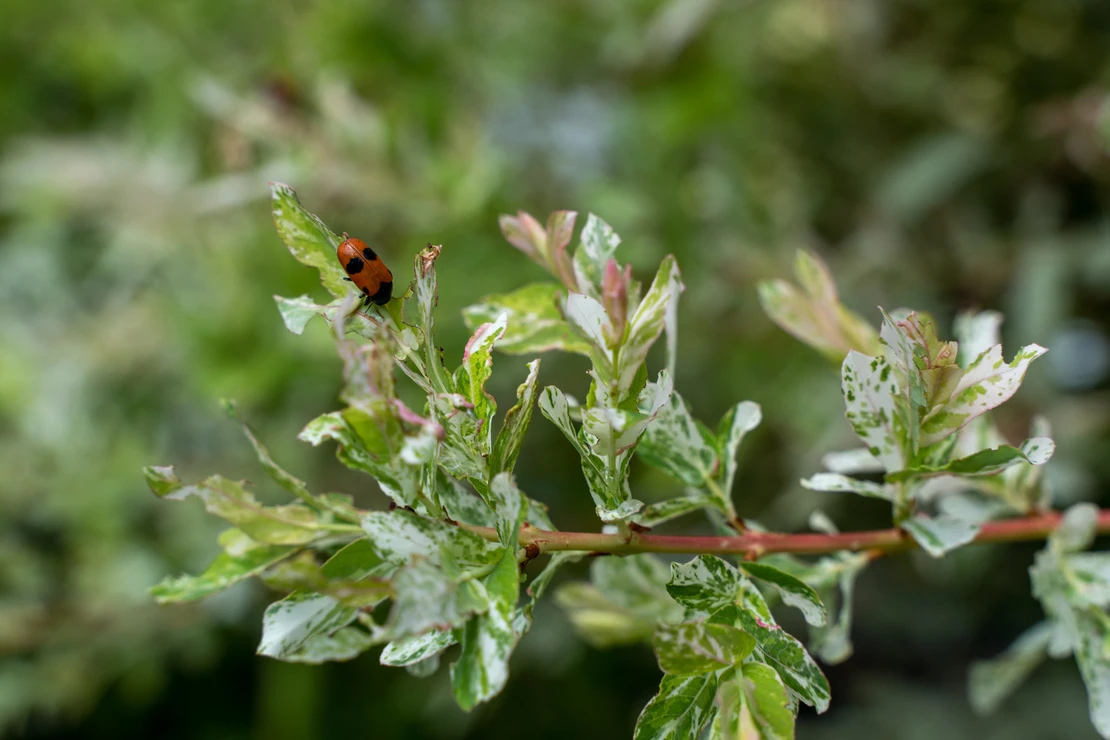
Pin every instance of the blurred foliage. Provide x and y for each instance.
(942, 155)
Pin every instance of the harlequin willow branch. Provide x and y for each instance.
(445, 558)
(755, 545)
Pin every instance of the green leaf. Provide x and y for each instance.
(307, 238)
(225, 571)
(1035, 451)
(646, 323)
(354, 561)
(681, 709)
(426, 293)
(835, 482)
(705, 583)
(539, 584)
(940, 535)
(623, 604)
(292, 524)
(678, 445)
(870, 392)
(784, 653)
(477, 366)
(794, 592)
(288, 624)
(534, 321)
(753, 704)
(689, 648)
(488, 639)
(991, 681)
(362, 590)
(290, 483)
(741, 419)
(815, 314)
(598, 245)
(409, 650)
(506, 447)
(986, 383)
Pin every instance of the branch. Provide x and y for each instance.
(757, 544)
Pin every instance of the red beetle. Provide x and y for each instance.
(366, 271)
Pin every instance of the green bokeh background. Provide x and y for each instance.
(941, 155)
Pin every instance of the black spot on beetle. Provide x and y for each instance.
(368, 253)
(385, 292)
(354, 266)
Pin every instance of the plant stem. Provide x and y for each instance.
(757, 544)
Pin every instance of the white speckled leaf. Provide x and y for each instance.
(506, 446)
(681, 709)
(689, 648)
(508, 505)
(597, 246)
(409, 650)
(344, 644)
(488, 639)
(678, 445)
(297, 312)
(535, 323)
(705, 583)
(941, 534)
(740, 419)
(835, 482)
(1035, 451)
(308, 239)
(554, 406)
(784, 653)
(399, 536)
(292, 524)
(477, 367)
(870, 390)
(289, 623)
(793, 592)
(988, 382)
(225, 571)
(587, 317)
(647, 322)
(753, 704)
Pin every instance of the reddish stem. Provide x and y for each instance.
(756, 544)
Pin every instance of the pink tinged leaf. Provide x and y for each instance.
(560, 229)
(526, 234)
(614, 296)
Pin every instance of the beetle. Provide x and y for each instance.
(366, 270)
